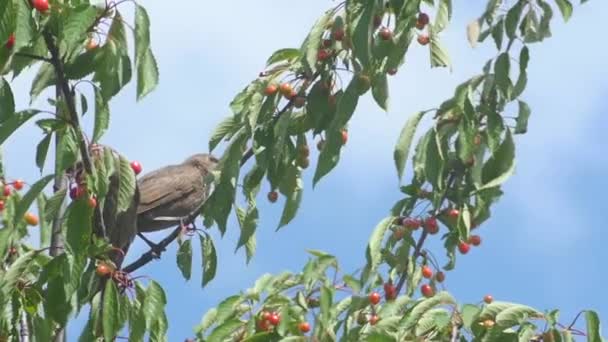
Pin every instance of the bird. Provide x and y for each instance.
(173, 195)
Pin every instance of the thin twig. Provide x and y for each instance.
(424, 235)
(153, 253)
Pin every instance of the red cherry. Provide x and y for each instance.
(304, 327)
(285, 89)
(475, 240)
(136, 166)
(453, 213)
(273, 196)
(274, 319)
(427, 272)
(103, 270)
(374, 298)
(373, 319)
(344, 137)
(266, 315)
(11, 41)
(271, 89)
(427, 290)
(488, 299)
(31, 219)
(77, 191)
(264, 325)
(327, 43)
(18, 184)
(464, 247)
(440, 277)
(2, 205)
(423, 39)
(431, 226)
(92, 202)
(422, 21)
(7, 191)
(40, 5)
(339, 34)
(392, 71)
(386, 33)
(323, 55)
(410, 223)
(390, 291)
(91, 44)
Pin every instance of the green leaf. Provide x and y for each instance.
(515, 315)
(439, 57)
(228, 126)
(111, 311)
(102, 116)
(424, 306)
(221, 332)
(67, 150)
(513, 17)
(209, 259)
(434, 163)
(360, 15)
(593, 326)
(404, 142)
(469, 315)
(53, 204)
(207, 321)
(147, 74)
(42, 150)
(76, 24)
(311, 44)
(10, 125)
(498, 33)
(501, 70)
(380, 90)
(501, 165)
(184, 259)
(346, 105)
(374, 246)
(521, 126)
(30, 197)
(565, 7)
(154, 303)
(79, 227)
(7, 100)
(444, 14)
(43, 79)
(126, 185)
(294, 197)
(280, 55)
(141, 33)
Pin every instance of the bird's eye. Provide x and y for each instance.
(213, 159)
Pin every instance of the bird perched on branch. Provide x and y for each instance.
(173, 195)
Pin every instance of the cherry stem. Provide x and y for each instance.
(424, 235)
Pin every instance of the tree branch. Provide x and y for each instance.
(62, 83)
(152, 254)
(425, 234)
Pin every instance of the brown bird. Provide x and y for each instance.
(173, 195)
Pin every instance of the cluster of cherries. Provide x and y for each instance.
(7, 190)
(269, 319)
(286, 89)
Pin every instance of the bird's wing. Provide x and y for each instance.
(162, 187)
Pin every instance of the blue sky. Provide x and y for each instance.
(541, 247)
